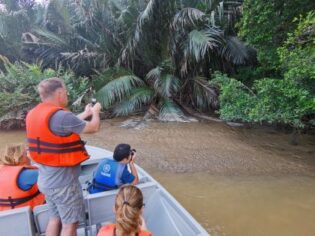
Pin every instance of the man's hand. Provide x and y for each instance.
(86, 113)
(133, 169)
(133, 158)
(96, 108)
(88, 110)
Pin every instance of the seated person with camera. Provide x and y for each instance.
(111, 174)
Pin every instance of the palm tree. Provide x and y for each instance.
(16, 18)
(83, 35)
(171, 49)
(193, 46)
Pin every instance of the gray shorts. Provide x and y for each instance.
(66, 203)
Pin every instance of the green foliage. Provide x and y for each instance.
(297, 55)
(265, 25)
(274, 101)
(167, 107)
(102, 78)
(281, 101)
(15, 19)
(236, 100)
(116, 90)
(18, 84)
(138, 98)
(290, 99)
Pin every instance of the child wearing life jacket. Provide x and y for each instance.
(128, 210)
(18, 179)
(112, 173)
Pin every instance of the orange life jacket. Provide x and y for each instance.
(50, 149)
(109, 230)
(11, 196)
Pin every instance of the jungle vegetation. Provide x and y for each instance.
(245, 61)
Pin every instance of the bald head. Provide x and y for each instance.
(48, 87)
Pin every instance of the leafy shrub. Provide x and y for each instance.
(236, 100)
(18, 84)
(274, 101)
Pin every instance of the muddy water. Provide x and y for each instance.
(238, 205)
(234, 181)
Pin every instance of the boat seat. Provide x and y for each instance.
(100, 205)
(41, 218)
(17, 222)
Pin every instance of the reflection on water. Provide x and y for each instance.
(258, 205)
(235, 181)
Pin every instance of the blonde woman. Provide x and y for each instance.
(18, 179)
(128, 210)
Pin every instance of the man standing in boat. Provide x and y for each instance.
(55, 145)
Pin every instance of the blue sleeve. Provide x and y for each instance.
(127, 177)
(27, 179)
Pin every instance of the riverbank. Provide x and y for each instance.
(207, 147)
(211, 147)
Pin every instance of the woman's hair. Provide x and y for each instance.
(128, 205)
(13, 154)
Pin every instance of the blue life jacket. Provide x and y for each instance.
(107, 176)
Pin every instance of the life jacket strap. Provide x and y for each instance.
(13, 202)
(39, 142)
(103, 186)
(47, 150)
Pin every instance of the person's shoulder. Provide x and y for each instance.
(58, 117)
(145, 233)
(106, 230)
(63, 114)
(105, 160)
(60, 113)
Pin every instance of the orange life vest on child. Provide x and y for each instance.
(50, 149)
(11, 196)
(109, 230)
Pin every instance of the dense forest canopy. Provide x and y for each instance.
(250, 61)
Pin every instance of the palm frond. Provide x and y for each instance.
(117, 89)
(139, 97)
(161, 79)
(187, 18)
(167, 85)
(204, 95)
(235, 51)
(153, 75)
(169, 111)
(148, 11)
(201, 42)
(102, 78)
(51, 38)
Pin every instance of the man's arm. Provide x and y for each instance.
(133, 170)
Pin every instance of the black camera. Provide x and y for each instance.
(132, 152)
(93, 101)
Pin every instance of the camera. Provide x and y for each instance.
(93, 101)
(132, 152)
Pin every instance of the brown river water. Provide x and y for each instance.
(234, 181)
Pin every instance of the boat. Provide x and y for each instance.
(164, 216)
